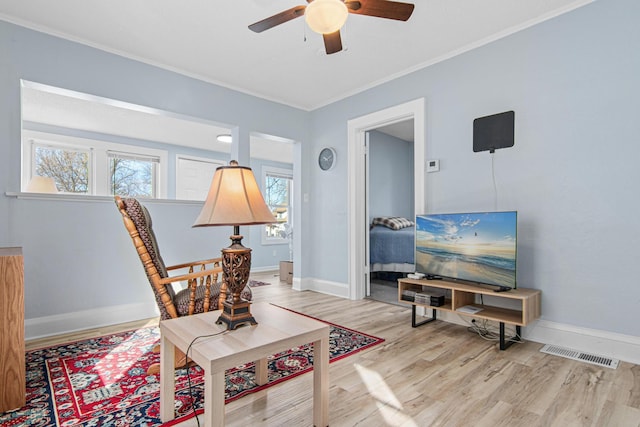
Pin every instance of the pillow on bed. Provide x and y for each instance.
(392, 222)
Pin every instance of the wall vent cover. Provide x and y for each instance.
(580, 356)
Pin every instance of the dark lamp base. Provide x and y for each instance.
(234, 315)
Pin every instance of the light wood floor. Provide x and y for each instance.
(435, 375)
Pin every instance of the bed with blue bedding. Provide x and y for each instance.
(391, 249)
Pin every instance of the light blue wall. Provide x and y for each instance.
(78, 255)
(574, 83)
(390, 176)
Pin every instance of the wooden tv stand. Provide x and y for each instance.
(459, 294)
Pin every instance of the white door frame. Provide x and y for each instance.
(358, 223)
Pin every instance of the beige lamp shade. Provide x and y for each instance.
(42, 184)
(234, 199)
(326, 16)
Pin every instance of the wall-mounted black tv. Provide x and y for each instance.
(475, 247)
(493, 132)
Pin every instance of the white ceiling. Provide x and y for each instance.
(209, 39)
(401, 130)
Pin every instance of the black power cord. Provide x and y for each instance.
(489, 333)
(186, 366)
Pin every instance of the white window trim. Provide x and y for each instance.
(30, 154)
(270, 170)
(99, 161)
(138, 156)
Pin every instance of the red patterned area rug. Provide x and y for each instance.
(103, 381)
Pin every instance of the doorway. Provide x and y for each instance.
(389, 193)
(359, 269)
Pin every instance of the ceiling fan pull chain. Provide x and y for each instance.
(304, 31)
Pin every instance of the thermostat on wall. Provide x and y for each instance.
(433, 165)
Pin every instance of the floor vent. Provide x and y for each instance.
(580, 356)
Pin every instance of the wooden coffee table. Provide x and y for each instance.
(277, 330)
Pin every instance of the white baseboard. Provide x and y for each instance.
(602, 343)
(40, 327)
(322, 286)
(298, 284)
(47, 326)
(273, 268)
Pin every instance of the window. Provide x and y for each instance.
(278, 192)
(84, 166)
(131, 175)
(68, 166)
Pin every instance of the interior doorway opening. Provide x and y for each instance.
(389, 193)
(359, 268)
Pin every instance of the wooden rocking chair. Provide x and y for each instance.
(204, 292)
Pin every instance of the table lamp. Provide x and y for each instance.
(234, 199)
(42, 184)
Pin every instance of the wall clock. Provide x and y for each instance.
(327, 158)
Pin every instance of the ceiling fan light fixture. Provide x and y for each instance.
(326, 16)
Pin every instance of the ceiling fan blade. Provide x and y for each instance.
(277, 19)
(381, 9)
(332, 42)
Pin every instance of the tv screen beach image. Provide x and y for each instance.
(478, 247)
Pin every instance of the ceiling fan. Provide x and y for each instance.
(328, 16)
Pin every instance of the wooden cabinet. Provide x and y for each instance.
(12, 361)
(524, 303)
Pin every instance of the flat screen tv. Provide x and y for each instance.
(474, 247)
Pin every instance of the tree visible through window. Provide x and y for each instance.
(68, 167)
(132, 176)
(278, 198)
(94, 167)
